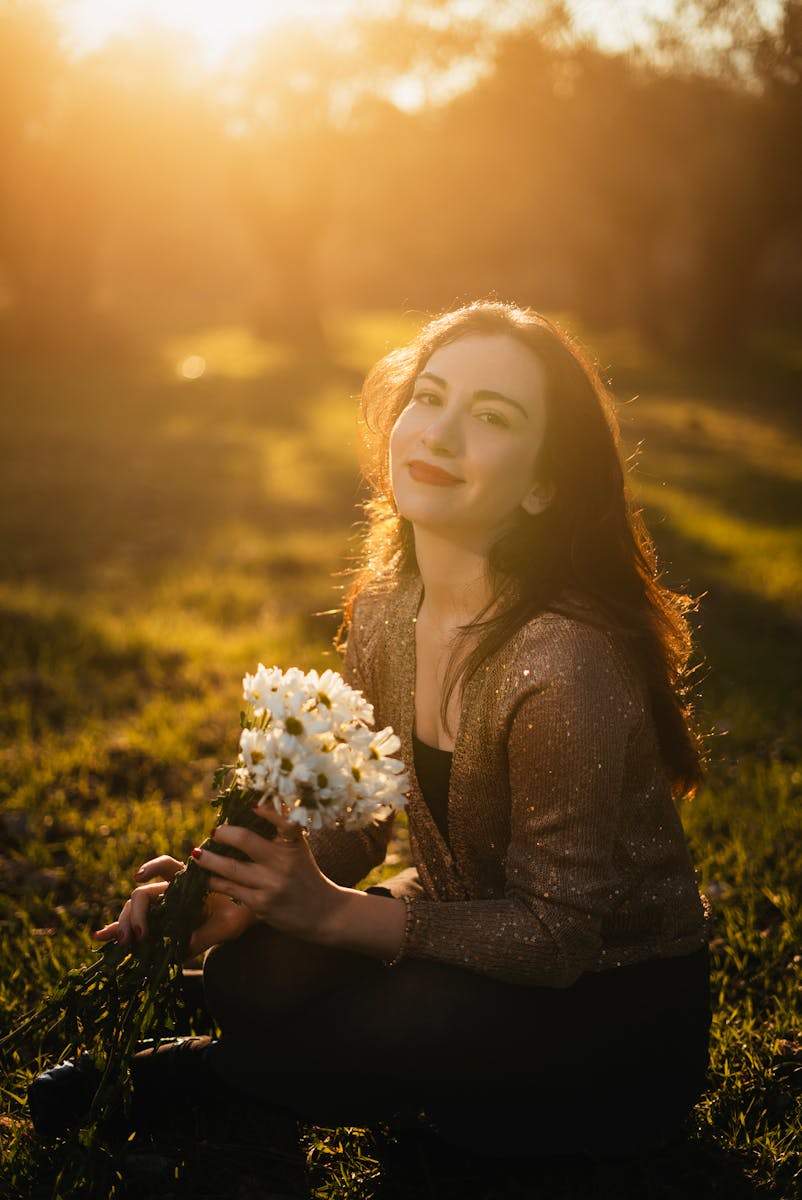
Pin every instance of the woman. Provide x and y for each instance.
(539, 979)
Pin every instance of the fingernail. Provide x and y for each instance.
(139, 871)
(95, 933)
(196, 853)
(138, 932)
(214, 831)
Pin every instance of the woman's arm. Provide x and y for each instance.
(567, 743)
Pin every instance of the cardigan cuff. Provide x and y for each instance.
(402, 949)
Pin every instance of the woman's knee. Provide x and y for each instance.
(222, 969)
(265, 972)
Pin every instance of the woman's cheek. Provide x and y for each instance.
(399, 440)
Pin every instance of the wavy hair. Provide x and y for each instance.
(587, 555)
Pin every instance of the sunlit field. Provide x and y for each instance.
(168, 522)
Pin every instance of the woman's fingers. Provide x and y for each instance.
(229, 876)
(138, 905)
(259, 849)
(132, 923)
(107, 933)
(286, 829)
(163, 867)
(223, 885)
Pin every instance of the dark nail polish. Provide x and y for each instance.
(196, 853)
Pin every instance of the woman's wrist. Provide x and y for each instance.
(364, 923)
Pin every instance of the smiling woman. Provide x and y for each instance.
(537, 980)
(463, 452)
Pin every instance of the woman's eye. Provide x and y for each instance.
(494, 418)
(430, 398)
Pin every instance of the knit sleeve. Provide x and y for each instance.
(567, 740)
(346, 858)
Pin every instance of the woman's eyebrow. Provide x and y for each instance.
(489, 395)
(482, 394)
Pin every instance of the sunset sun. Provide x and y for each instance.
(215, 28)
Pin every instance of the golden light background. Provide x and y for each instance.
(274, 163)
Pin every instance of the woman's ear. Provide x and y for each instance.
(538, 498)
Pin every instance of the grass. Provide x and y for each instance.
(161, 534)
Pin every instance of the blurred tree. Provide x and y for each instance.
(431, 153)
(587, 181)
(33, 77)
(433, 198)
(310, 121)
(157, 158)
(284, 147)
(750, 240)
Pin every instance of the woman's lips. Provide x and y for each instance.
(423, 472)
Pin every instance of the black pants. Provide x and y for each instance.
(610, 1065)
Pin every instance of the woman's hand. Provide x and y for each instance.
(132, 923)
(224, 920)
(281, 885)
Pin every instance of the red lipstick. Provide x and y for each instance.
(423, 472)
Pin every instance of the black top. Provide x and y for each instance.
(433, 769)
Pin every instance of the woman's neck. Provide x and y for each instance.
(456, 580)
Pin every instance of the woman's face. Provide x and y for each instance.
(463, 452)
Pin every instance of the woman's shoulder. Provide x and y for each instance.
(374, 605)
(382, 600)
(383, 610)
(571, 648)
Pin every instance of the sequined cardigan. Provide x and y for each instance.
(567, 852)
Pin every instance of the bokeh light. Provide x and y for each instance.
(192, 367)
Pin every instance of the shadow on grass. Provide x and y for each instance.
(746, 645)
(57, 668)
(249, 1169)
(713, 472)
(689, 1171)
(145, 474)
(758, 384)
(686, 1171)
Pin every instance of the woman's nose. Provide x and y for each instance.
(441, 435)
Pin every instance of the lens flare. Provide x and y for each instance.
(192, 367)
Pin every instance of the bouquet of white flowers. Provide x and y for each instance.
(307, 750)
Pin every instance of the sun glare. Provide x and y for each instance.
(218, 27)
(215, 26)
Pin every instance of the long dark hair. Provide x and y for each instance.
(588, 554)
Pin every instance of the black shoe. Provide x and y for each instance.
(173, 1086)
(60, 1098)
(170, 1079)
